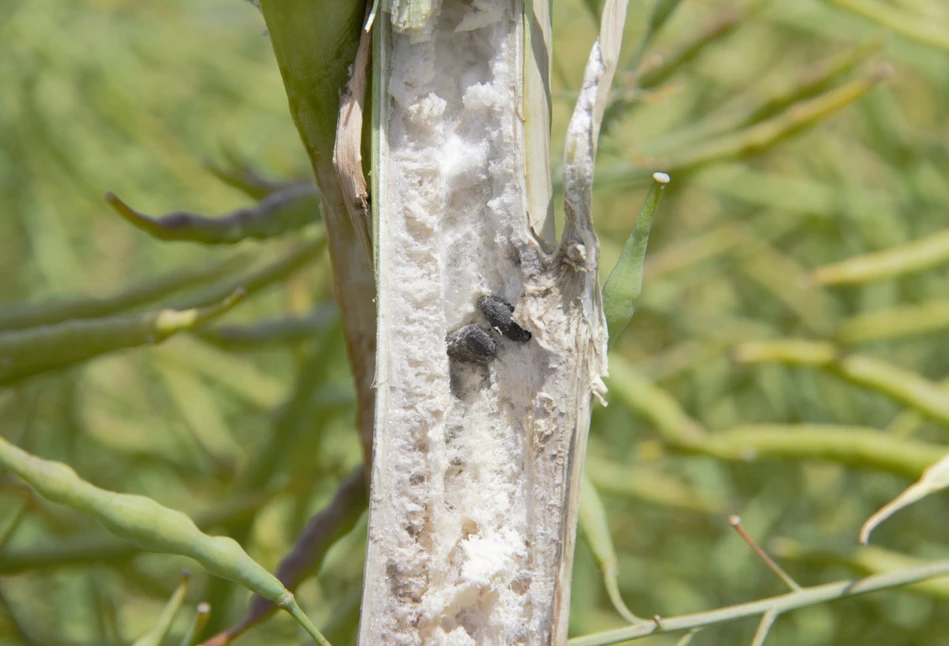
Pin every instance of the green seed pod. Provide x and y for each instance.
(286, 210)
(24, 353)
(152, 527)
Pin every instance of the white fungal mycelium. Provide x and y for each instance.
(475, 471)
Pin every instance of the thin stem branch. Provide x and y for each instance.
(764, 626)
(735, 522)
(780, 604)
(686, 639)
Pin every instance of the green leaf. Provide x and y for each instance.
(625, 283)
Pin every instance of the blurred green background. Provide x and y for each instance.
(776, 170)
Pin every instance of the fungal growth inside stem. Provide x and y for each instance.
(490, 341)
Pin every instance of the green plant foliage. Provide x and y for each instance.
(595, 528)
(283, 211)
(625, 283)
(269, 333)
(46, 313)
(29, 352)
(156, 635)
(786, 362)
(152, 527)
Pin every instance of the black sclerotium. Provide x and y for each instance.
(471, 344)
(500, 315)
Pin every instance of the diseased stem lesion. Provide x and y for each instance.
(479, 439)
